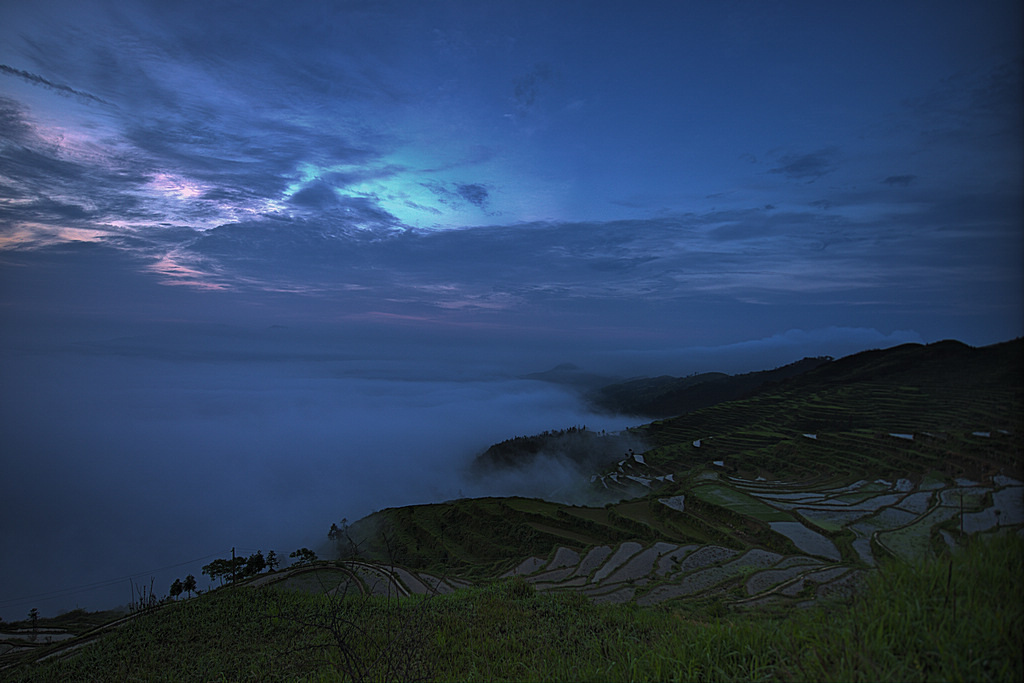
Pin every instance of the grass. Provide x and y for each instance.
(956, 618)
(951, 618)
(852, 418)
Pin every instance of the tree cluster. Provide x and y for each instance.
(579, 446)
(303, 556)
(240, 567)
(186, 586)
(342, 539)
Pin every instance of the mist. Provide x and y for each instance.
(133, 456)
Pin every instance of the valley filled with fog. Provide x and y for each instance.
(143, 452)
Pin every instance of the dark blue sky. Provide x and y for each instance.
(266, 265)
(635, 175)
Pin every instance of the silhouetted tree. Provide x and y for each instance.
(272, 562)
(218, 569)
(238, 568)
(343, 542)
(176, 588)
(189, 585)
(255, 564)
(303, 556)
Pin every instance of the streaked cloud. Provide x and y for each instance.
(474, 193)
(807, 166)
(59, 88)
(457, 195)
(900, 180)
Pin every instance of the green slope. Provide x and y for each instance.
(944, 408)
(667, 396)
(956, 619)
(941, 393)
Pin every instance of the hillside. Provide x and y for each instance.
(667, 396)
(943, 392)
(585, 449)
(883, 453)
(944, 395)
(957, 619)
(879, 493)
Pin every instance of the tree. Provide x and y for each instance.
(237, 568)
(231, 570)
(272, 562)
(33, 617)
(255, 564)
(343, 542)
(189, 585)
(303, 556)
(218, 569)
(176, 588)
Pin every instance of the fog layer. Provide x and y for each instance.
(141, 453)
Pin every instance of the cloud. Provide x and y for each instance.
(851, 249)
(979, 105)
(58, 88)
(527, 87)
(899, 180)
(810, 166)
(349, 250)
(316, 195)
(46, 210)
(455, 195)
(837, 341)
(187, 107)
(179, 166)
(367, 213)
(474, 193)
(764, 353)
(12, 120)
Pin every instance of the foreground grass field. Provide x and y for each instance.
(955, 617)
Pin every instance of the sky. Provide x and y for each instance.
(235, 237)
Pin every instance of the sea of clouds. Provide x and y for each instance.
(135, 454)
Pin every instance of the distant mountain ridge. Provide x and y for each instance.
(667, 396)
(886, 389)
(571, 375)
(948, 363)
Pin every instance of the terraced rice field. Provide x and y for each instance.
(715, 530)
(896, 517)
